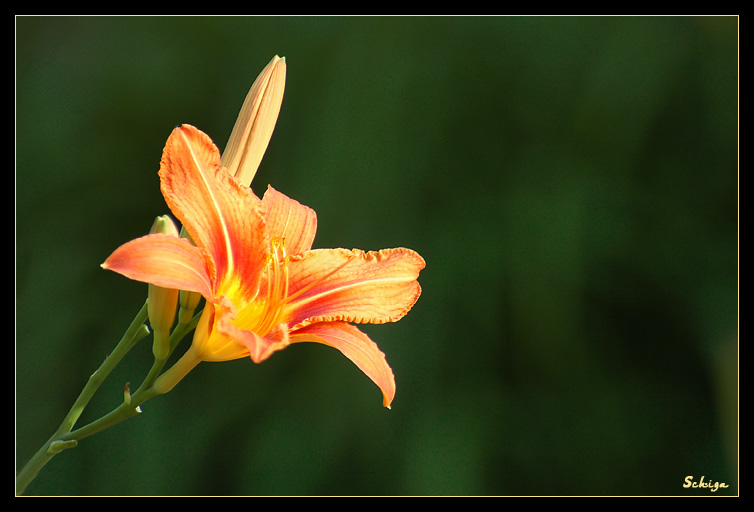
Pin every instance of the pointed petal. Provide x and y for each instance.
(162, 260)
(253, 129)
(357, 347)
(255, 346)
(352, 286)
(287, 218)
(222, 216)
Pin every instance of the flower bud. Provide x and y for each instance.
(187, 301)
(162, 302)
(256, 122)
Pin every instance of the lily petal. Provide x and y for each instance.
(353, 286)
(357, 347)
(290, 220)
(162, 260)
(256, 346)
(219, 213)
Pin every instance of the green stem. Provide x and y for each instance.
(124, 411)
(64, 437)
(55, 444)
(180, 331)
(136, 331)
(130, 406)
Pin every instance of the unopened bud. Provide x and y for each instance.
(162, 302)
(256, 121)
(187, 301)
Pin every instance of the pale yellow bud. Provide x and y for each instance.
(162, 302)
(253, 129)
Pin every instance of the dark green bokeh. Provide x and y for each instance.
(572, 183)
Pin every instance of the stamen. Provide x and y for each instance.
(264, 313)
(277, 286)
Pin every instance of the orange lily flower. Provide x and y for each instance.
(264, 285)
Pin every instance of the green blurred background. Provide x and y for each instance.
(572, 183)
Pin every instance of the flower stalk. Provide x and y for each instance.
(65, 437)
(59, 440)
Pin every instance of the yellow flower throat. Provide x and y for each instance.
(265, 310)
